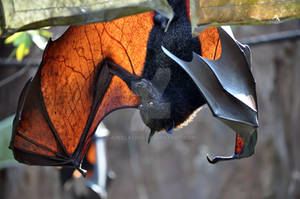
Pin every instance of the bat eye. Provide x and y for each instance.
(151, 104)
(140, 106)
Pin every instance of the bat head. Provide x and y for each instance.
(155, 110)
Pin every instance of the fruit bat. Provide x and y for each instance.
(142, 61)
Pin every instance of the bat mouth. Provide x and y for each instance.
(158, 125)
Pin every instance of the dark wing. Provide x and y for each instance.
(228, 87)
(73, 90)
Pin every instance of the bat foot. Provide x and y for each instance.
(162, 20)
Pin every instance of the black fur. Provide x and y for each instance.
(181, 92)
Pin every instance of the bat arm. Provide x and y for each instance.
(107, 69)
(117, 70)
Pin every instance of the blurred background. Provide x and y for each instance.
(175, 166)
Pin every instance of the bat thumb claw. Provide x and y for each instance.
(211, 161)
(82, 171)
(216, 159)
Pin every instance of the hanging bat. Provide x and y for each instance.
(95, 69)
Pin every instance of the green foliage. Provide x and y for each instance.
(6, 156)
(22, 41)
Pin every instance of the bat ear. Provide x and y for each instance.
(161, 79)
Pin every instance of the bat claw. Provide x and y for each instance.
(82, 171)
(216, 159)
(209, 160)
(162, 20)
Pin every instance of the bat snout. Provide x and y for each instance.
(156, 115)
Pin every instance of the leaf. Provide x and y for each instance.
(6, 156)
(45, 33)
(22, 51)
(12, 38)
(20, 39)
(28, 41)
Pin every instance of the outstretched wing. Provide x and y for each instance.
(228, 87)
(72, 91)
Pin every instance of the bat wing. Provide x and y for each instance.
(60, 108)
(229, 89)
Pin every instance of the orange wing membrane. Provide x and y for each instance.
(61, 107)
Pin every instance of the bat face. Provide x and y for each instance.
(154, 109)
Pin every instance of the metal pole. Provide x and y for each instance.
(99, 181)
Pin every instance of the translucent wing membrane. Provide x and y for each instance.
(73, 90)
